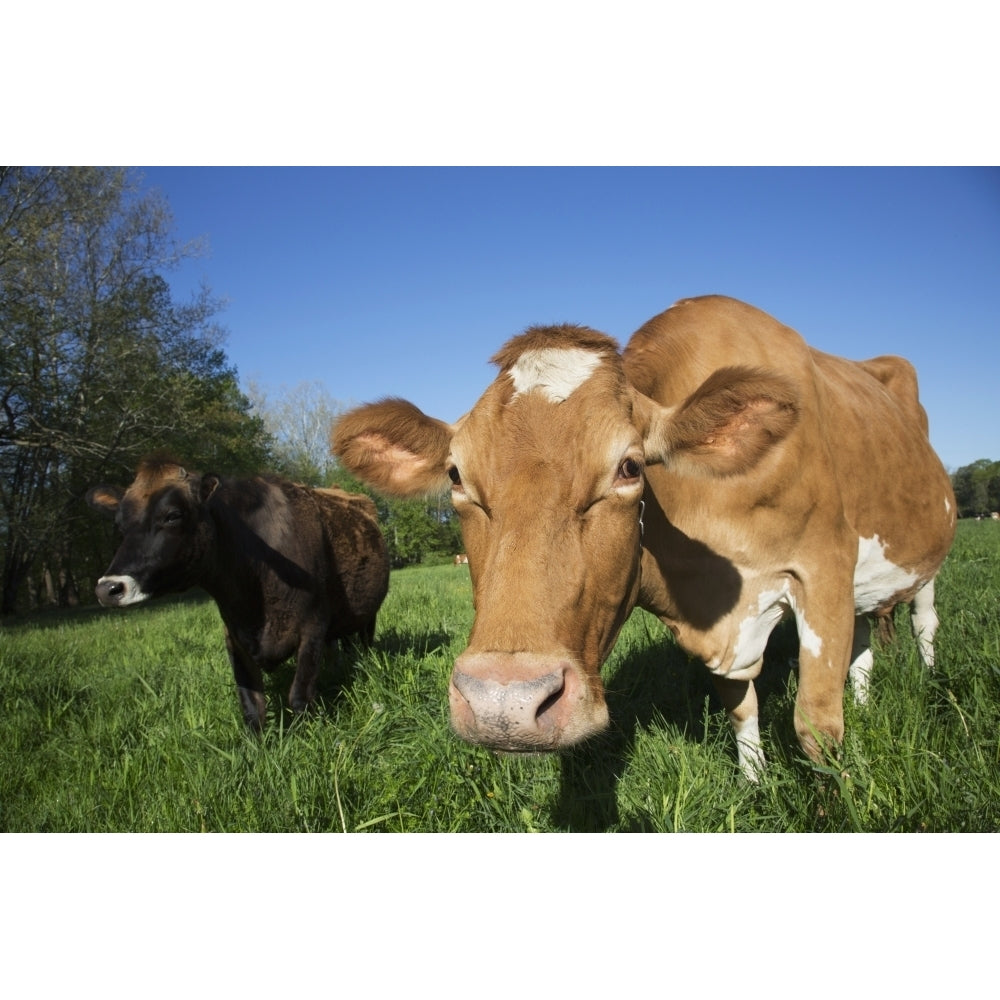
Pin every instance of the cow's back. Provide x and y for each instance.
(358, 554)
(891, 482)
(857, 466)
(292, 559)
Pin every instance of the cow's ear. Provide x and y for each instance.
(209, 484)
(105, 499)
(725, 426)
(394, 447)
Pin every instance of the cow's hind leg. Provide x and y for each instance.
(924, 620)
(740, 700)
(366, 634)
(861, 659)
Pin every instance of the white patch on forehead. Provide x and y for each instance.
(876, 578)
(556, 371)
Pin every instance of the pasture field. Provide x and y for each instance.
(128, 721)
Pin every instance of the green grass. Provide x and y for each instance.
(128, 721)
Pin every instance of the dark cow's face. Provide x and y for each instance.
(165, 534)
(547, 473)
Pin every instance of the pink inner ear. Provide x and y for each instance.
(391, 467)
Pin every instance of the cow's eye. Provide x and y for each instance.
(629, 470)
(172, 517)
(454, 476)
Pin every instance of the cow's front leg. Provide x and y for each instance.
(740, 700)
(249, 684)
(307, 664)
(826, 638)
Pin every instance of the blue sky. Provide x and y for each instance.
(405, 281)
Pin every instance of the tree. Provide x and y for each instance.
(298, 420)
(98, 363)
(413, 529)
(977, 488)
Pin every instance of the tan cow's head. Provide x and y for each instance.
(547, 475)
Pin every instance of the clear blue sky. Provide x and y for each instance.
(400, 281)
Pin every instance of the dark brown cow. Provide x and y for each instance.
(719, 473)
(290, 568)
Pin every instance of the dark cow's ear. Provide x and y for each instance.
(725, 426)
(209, 484)
(105, 499)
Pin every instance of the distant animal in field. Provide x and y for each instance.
(290, 568)
(461, 560)
(718, 472)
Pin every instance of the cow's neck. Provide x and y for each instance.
(682, 579)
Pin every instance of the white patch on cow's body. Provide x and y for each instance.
(755, 629)
(808, 639)
(752, 635)
(772, 606)
(132, 594)
(876, 578)
(556, 371)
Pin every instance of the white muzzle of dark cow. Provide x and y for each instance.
(523, 701)
(119, 591)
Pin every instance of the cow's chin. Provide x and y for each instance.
(523, 703)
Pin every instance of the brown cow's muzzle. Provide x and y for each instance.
(524, 701)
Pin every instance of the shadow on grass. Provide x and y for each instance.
(659, 684)
(50, 618)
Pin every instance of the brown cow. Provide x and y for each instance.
(290, 568)
(719, 473)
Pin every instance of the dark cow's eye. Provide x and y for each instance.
(453, 475)
(172, 517)
(629, 469)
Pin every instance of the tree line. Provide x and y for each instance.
(100, 364)
(977, 488)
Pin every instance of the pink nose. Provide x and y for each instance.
(521, 701)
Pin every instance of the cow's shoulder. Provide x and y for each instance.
(672, 354)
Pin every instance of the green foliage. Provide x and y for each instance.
(416, 531)
(118, 721)
(977, 488)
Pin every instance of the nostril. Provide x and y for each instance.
(524, 701)
(111, 590)
(550, 702)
